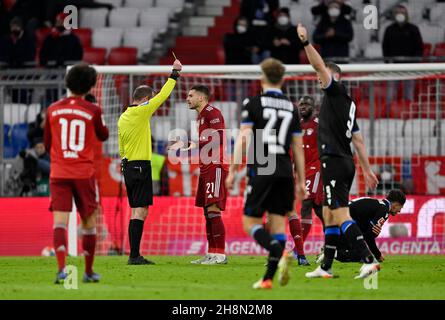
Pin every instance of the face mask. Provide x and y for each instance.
(283, 20)
(400, 18)
(241, 29)
(334, 12)
(16, 32)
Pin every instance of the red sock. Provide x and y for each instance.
(295, 231)
(89, 248)
(210, 241)
(306, 225)
(60, 246)
(218, 232)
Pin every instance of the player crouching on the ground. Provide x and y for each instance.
(71, 127)
(370, 215)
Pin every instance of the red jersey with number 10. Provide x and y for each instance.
(71, 127)
(311, 158)
(211, 125)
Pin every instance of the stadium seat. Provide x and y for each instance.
(84, 35)
(19, 137)
(439, 51)
(115, 3)
(427, 48)
(182, 116)
(437, 12)
(373, 50)
(8, 150)
(176, 5)
(107, 38)
(123, 56)
(32, 112)
(419, 128)
(155, 18)
(41, 35)
(14, 113)
(124, 17)
(388, 127)
(432, 34)
(140, 4)
(401, 109)
(140, 38)
(94, 55)
(429, 146)
(93, 18)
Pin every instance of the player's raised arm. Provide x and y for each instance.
(314, 57)
(167, 89)
(359, 145)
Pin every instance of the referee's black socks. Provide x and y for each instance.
(135, 228)
(274, 246)
(355, 238)
(331, 237)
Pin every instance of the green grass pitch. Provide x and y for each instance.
(402, 277)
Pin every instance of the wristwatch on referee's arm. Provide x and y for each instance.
(177, 67)
(124, 163)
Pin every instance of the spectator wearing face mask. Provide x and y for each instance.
(402, 39)
(320, 11)
(402, 43)
(17, 49)
(285, 44)
(334, 34)
(61, 46)
(238, 45)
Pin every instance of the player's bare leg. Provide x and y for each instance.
(135, 231)
(60, 243)
(217, 239)
(89, 237)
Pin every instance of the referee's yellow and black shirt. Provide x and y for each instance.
(134, 126)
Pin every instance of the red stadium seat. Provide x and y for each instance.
(439, 50)
(9, 4)
(402, 109)
(123, 56)
(41, 35)
(427, 47)
(94, 55)
(84, 35)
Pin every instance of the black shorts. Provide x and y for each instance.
(139, 183)
(337, 174)
(269, 193)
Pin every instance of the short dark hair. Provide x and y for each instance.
(202, 89)
(80, 79)
(273, 69)
(396, 195)
(334, 67)
(142, 92)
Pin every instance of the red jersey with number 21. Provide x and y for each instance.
(211, 124)
(71, 127)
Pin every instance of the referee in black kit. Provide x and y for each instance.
(337, 128)
(135, 150)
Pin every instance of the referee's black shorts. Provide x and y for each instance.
(139, 183)
(337, 174)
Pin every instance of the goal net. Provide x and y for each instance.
(400, 111)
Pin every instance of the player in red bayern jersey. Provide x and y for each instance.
(71, 127)
(314, 186)
(213, 167)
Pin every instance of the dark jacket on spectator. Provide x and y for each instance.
(289, 54)
(338, 45)
(322, 10)
(238, 48)
(61, 47)
(402, 41)
(16, 52)
(253, 9)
